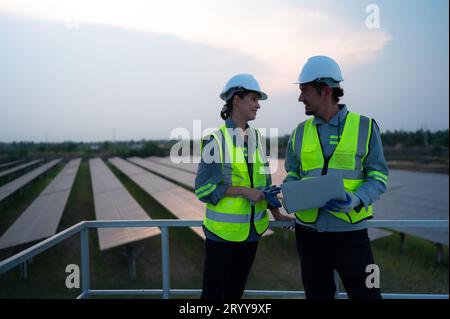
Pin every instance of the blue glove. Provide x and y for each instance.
(270, 192)
(274, 190)
(272, 199)
(351, 202)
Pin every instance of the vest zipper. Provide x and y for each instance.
(252, 217)
(326, 159)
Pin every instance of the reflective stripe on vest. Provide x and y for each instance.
(230, 218)
(347, 160)
(234, 218)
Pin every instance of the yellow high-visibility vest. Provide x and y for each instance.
(230, 219)
(347, 160)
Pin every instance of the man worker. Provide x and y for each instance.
(335, 141)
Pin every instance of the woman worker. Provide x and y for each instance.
(233, 179)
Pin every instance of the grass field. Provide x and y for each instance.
(276, 266)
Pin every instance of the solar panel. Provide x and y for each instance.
(113, 202)
(416, 195)
(18, 183)
(179, 201)
(180, 163)
(11, 163)
(405, 198)
(41, 218)
(19, 167)
(182, 177)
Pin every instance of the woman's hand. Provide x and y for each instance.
(282, 218)
(254, 194)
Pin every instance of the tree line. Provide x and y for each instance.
(398, 139)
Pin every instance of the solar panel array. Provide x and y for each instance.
(276, 166)
(19, 167)
(181, 163)
(182, 177)
(416, 195)
(180, 202)
(41, 218)
(404, 199)
(113, 202)
(18, 183)
(11, 163)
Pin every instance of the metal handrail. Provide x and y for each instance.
(84, 226)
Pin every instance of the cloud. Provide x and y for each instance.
(279, 35)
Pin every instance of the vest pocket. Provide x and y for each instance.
(309, 148)
(344, 160)
(310, 156)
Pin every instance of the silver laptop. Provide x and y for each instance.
(312, 193)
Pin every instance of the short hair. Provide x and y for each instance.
(319, 86)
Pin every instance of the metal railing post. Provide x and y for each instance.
(24, 270)
(165, 262)
(439, 253)
(336, 283)
(85, 276)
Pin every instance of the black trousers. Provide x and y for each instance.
(348, 253)
(226, 268)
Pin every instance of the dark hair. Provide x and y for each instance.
(228, 107)
(337, 92)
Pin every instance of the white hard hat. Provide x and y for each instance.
(321, 68)
(241, 82)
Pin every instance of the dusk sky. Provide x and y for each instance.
(92, 70)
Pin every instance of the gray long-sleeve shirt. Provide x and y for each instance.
(370, 190)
